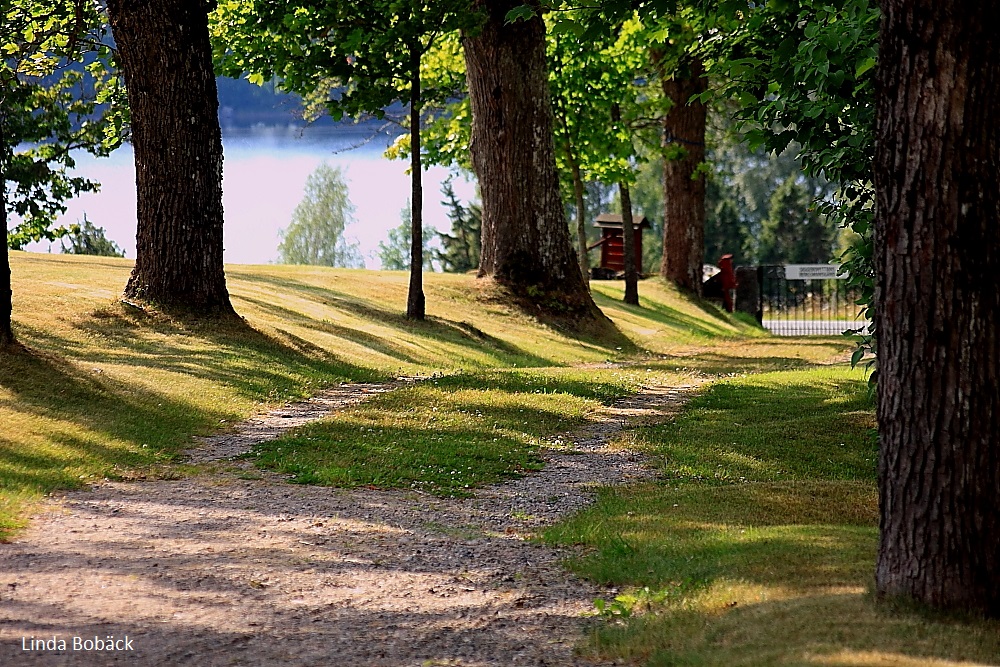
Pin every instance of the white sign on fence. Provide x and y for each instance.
(813, 272)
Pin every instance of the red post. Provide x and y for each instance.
(728, 282)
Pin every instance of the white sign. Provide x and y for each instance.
(813, 272)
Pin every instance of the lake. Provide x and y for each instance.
(264, 176)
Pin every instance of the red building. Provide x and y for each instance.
(612, 252)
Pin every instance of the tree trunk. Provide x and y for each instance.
(683, 184)
(937, 261)
(415, 305)
(526, 245)
(166, 61)
(581, 221)
(628, 229)
(628, 247)
(6, 294)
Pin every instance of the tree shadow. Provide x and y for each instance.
(672, 317)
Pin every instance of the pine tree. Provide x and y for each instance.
(795, 231)
(88, 239)
(460, 250)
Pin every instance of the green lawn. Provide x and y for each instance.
(110, 392)
(449, 434)
(758, 546)
(757, 549)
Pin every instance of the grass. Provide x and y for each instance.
(447, 435)
(110, 392)
(758, 548)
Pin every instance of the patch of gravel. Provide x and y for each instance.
(239, 568)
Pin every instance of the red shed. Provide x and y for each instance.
(612, 253)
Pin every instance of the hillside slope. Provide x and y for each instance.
(109, 390)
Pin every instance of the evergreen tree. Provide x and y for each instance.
(395, 255)
(87, 239)
(460, 249)
(795, 231)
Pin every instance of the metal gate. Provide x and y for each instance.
(806, 300)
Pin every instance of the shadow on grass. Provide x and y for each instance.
(744, 430)
(603, 335)
(83, 423)
(673, 318)
(822, 628)
(526, 382)
(257, 365)
(433, 329)
(429, 437)
(683, 540)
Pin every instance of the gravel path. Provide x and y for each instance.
(220, 569)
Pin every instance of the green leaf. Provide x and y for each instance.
(864, 66)
(522, 13)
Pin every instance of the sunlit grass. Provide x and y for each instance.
(758, 546)
(109, 391)
(450, 434)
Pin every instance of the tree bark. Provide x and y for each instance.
(628, 247)
(581, 222)
(683, 184)
(415, 303)
(166, 61)
(628, 229)
(526, 245)
(937, 261)
(6, 293)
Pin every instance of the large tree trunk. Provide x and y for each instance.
(6, 294)
(937, 260)
(166, 61)
(526, 244)
(683, 184)
(415, 304)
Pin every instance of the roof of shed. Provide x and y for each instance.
(614, 221)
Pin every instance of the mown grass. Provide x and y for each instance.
(758, 547)
(450, 434)
(106, 391)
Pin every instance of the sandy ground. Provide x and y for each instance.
(232, 567)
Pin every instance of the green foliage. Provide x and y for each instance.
(795, 231)
(351, 58)
(316, 234)
(51, 105)
(803, 71)
(739, 189)
(460, 249)
(86, 239)
(395, 254)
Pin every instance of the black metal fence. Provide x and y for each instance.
(806, 300)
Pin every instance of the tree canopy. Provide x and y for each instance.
(316, 233)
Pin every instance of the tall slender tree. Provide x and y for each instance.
(166, 61)
(937, 178)
(353, 59)
(526, 245)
